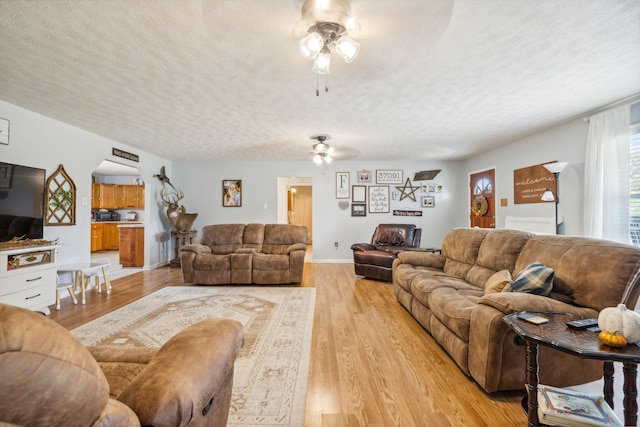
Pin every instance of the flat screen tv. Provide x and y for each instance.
(21, 201)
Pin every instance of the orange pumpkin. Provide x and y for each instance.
(612, 339)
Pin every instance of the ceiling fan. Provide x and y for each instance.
(322, 152)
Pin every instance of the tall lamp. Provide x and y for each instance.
(555, 168)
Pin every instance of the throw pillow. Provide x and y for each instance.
(497, 282)
(536, 278)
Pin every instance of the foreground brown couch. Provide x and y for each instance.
(48, 378)
(375, 260)
(446, 295)
(246, 254)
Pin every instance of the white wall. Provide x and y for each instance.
(202, 186)
(41, 142)
(566, 142)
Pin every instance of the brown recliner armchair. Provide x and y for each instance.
(50, 379)
(375, 260)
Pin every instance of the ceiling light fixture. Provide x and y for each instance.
(322, 151)
(328, 30)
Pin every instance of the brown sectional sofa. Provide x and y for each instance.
(246, 254)
(445, 293)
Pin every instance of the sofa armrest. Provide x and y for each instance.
(196, 248)
(510, 302)
(296, 247)
(190, 376)
(424, 259)
(363, 247)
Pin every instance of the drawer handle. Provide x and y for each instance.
(35, 296)
(33, 280)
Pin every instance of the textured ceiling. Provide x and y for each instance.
(223, 79)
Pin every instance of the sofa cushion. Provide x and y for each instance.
(453, 308)
(578, 276)
(460, 249)
(223, 238)
(211, 262)
(378, 258)
(497, 282)
(536, 278)
(278, 237)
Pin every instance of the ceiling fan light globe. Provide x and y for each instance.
(317, 159)
(311, 45)
(322, 63)
(328, 159)
(347, 48)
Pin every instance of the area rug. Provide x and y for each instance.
(270, 383)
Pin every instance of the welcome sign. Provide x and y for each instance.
(531, 182)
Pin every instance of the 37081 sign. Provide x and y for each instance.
(388, 177)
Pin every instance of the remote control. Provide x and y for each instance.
(532, 318)
(583, 323)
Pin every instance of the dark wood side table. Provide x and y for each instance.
(180, 238)
(585, 344)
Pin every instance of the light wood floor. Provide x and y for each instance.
(371, 363)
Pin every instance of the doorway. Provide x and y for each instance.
(295, 206)
(482, 199)
(117, 197)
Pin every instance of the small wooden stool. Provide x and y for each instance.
(64, 285)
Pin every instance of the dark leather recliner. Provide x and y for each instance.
(374, 260)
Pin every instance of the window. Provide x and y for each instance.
(634, 185)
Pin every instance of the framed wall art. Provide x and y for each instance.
(359, 193)
(342, 185)
(378, 199)
(232, 193)
(6, 173)
(60, 200)
(388, 177)
(428, 201)
(4, 131)
(364, 176)
(358, 209)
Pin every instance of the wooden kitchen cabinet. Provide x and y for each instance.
(132, 246)
(95, 196)
(96, 237)
(134, 196)
(120, 197)
(117, 196)
(110, 237)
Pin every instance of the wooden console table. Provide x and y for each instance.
(581, 343)
(180, 238)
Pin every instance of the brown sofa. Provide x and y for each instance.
(446, 295)
(375, 260)
(50, 379)
(246, 254)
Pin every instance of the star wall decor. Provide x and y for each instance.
(408, 190)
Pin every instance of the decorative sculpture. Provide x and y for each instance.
(178, 216)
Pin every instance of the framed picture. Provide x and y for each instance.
(428, 201)
(378, 198)
(342, 185)
(359, 193)
(358, 209)
(364, 176)
(6, 172)
(4, 131)
(388, 177)
(232, 193)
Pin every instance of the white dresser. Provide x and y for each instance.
(28, 277)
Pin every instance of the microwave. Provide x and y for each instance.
(107, 216)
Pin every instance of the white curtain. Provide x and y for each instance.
(606, 184)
